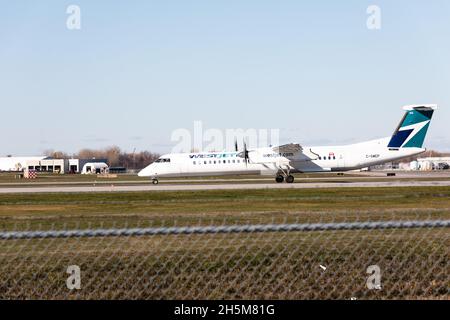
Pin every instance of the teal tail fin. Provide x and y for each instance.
(413, 127)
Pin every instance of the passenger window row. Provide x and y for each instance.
(216, 162)
(327, 158)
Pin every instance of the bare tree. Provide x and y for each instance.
(118, 158)
(56, 154)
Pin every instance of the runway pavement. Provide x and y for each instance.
(349, 176)
(229, 186)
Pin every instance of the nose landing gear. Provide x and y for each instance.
(155, 181)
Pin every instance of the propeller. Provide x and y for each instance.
(246, 158)
(236, 148)
(243, 154)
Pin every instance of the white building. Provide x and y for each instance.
(431, 163)
(50, 165)
(47, 165)
(17, 163)
(94, 168)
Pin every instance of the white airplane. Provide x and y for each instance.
(282, 161)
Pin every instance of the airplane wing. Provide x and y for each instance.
(288, 148)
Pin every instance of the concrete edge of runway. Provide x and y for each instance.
(197, 187)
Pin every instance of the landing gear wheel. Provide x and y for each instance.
(155, 181)
(279, 179)
(290, 179)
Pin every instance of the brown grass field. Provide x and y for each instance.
(280, 265)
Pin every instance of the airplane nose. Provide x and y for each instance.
(147, 172)
(141, 173)
(144, 172)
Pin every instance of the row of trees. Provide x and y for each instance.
(116, 157)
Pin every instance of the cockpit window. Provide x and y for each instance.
(163, 160)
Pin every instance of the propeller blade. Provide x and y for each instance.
(236, 148)
(245, 153)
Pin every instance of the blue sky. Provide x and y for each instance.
(137, 70)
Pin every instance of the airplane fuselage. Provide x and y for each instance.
(266, 162)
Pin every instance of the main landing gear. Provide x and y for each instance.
(155, 181)
(280, 178)
(284, 176)
(290, 179)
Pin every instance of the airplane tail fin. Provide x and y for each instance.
(413, 127)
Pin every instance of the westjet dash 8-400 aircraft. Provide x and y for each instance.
(282, 161)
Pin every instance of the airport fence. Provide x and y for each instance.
(385, 259)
